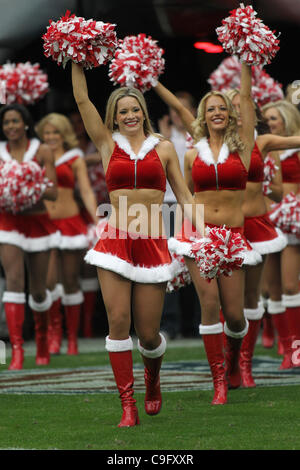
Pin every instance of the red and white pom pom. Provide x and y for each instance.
(227, 75)
(138, 62)
(219, 252)
(286, 214)
(189, 141)
(245, 35)
(21, 185)
(24, 83)
(182, 278)
(270, 169)
(86, 42)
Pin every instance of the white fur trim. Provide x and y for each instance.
(154, 353)
(68, 155)
(215, 329)
(72, 299)
(148, 144)
(28, 155)
(30, 244)
(155, 274)
(254, 313)
(14, 297)
(89, 285)
(57, 292)
(291, 300)
(236, 334)
(263, 301)
(292, 239)
(115, 345)
(76, 242)
(288, 153)
(205, 153)
(40, 306)
(275, 306)
(180, 248)
(271, 246)
(251, 257)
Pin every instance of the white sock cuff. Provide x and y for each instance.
(14, 297)
(40, 306)
(153, 353)
(116, 345)
(89, 285)
(263, 301)
(72, 299)
(57, 292)
(254, 313)
(291, 300)
(275, 307)
(236, 334)
(211, 329)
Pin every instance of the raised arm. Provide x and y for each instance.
(92, 120)
(247, 110)
(270, 142)
(46, 158)
(173, 102)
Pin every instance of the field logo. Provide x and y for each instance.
(2, 353)
(296, 354)
(296, 93)
(2, 92)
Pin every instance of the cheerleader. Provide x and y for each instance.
(56, 130)
(282, 269)
(216, 170)
(133, 266)
(26, 236)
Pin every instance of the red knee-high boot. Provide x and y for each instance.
(40, 316)
(254, 317)
(152, 361)
(292, 304)
(277, 310)
(120, 355)
(232, 355)
(268, 332)
(55, 329)
(212, 336)
(72, 305)
(14, 306)
(89, 288)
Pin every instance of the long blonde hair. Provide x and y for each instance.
(289, 113)
(111, 108)
(231, 137)
(63, 125)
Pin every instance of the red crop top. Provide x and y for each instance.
(228, 173)
(129, 171)
(290, 166)
(256, 169)
(64, 172)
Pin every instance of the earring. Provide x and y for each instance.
(26, 128)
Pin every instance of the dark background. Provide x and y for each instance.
(176, 25)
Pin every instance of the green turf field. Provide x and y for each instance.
(72, 405)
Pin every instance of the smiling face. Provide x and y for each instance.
(216, 113)
(275, 121)
(52, 137)
(129, 115)
(13, 126)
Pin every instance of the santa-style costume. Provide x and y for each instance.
(73, 236)
(264, 238)
(286, 313)
(228, 173)
(139, 259)
(32, 233)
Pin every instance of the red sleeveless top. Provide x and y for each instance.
(129, 171)
(256, 169)
(290, 166)
(64, 171)
(228, 173)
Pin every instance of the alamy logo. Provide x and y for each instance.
(2, 353)
(2, 92)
